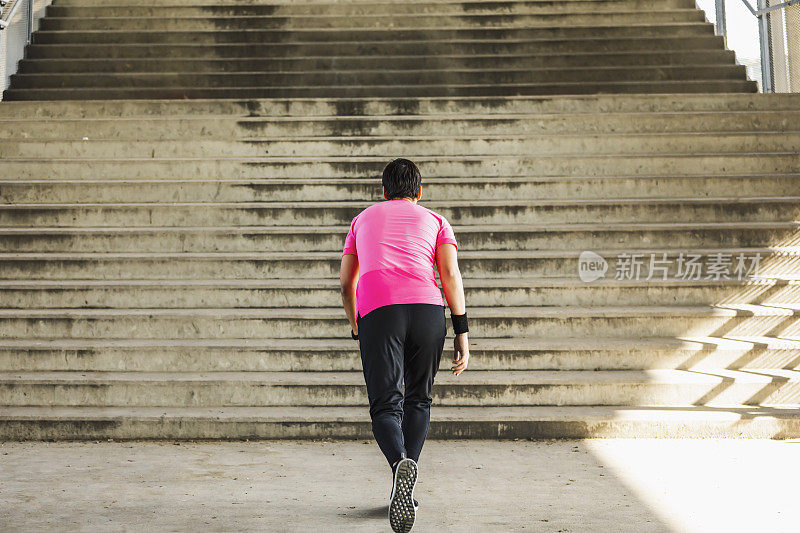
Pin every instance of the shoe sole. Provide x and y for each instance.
(401, 509)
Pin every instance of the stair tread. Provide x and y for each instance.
(444, 203)
(356, 378)
(317, 255)
(428, 180)
(452, 70)
(341, 29)
(488, 227)
(706, 44)
(439, 203)
(381, 159)
(346, 139)
(596, 99)
(718, 85)
(356, 3)
(721, 310)
(322, 282)
(431, 117)
(591, 53)
(735, 343)
(435, 18)
(440, 413)
(349, 16)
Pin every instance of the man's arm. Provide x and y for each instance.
(348, 277)
(453, 287)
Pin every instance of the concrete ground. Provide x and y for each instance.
(548, 486)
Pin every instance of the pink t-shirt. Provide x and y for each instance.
(395, 241)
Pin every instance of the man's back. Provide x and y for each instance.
(395, 242)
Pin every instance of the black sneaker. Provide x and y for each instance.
(402, 507)
(416, 503)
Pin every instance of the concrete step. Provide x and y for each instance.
(740, 320)
(631, 87)
(228, 219)
(448, 143)
(431, 166)
(237, 131)
(552, 214)
(290, 51)
(773, 261)
(317, 6)
(255, 239)
(410, 78)
(325, 292)
(47, 423)
(767, 387)
(359, 22)
(510, 188)
(326, 108)
(251, 63)
(355, 35)
(118, 8)
(342, 355)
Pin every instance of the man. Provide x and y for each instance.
(396, 313)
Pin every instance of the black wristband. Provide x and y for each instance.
(460, 324)
(353, 334)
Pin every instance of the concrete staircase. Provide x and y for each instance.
(89, 49)
(169, 266)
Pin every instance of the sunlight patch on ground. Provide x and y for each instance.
(710, 485)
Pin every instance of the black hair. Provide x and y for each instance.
(401, 179)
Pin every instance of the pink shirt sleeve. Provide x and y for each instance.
(446, 234)
(350, 241)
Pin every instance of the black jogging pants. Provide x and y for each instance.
(401, 342)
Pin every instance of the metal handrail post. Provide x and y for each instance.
(29, 29)
(766, 52)
(722, 28)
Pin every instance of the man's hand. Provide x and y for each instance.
(460, 354)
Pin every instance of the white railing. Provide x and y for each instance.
(18, 20)
(16, 27)
(765, 34)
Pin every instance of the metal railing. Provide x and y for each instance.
(778, 41)
(17, 21)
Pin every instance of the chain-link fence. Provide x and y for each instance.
(785, 34)
(765, 35)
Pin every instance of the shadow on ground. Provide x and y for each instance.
(557, 486)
